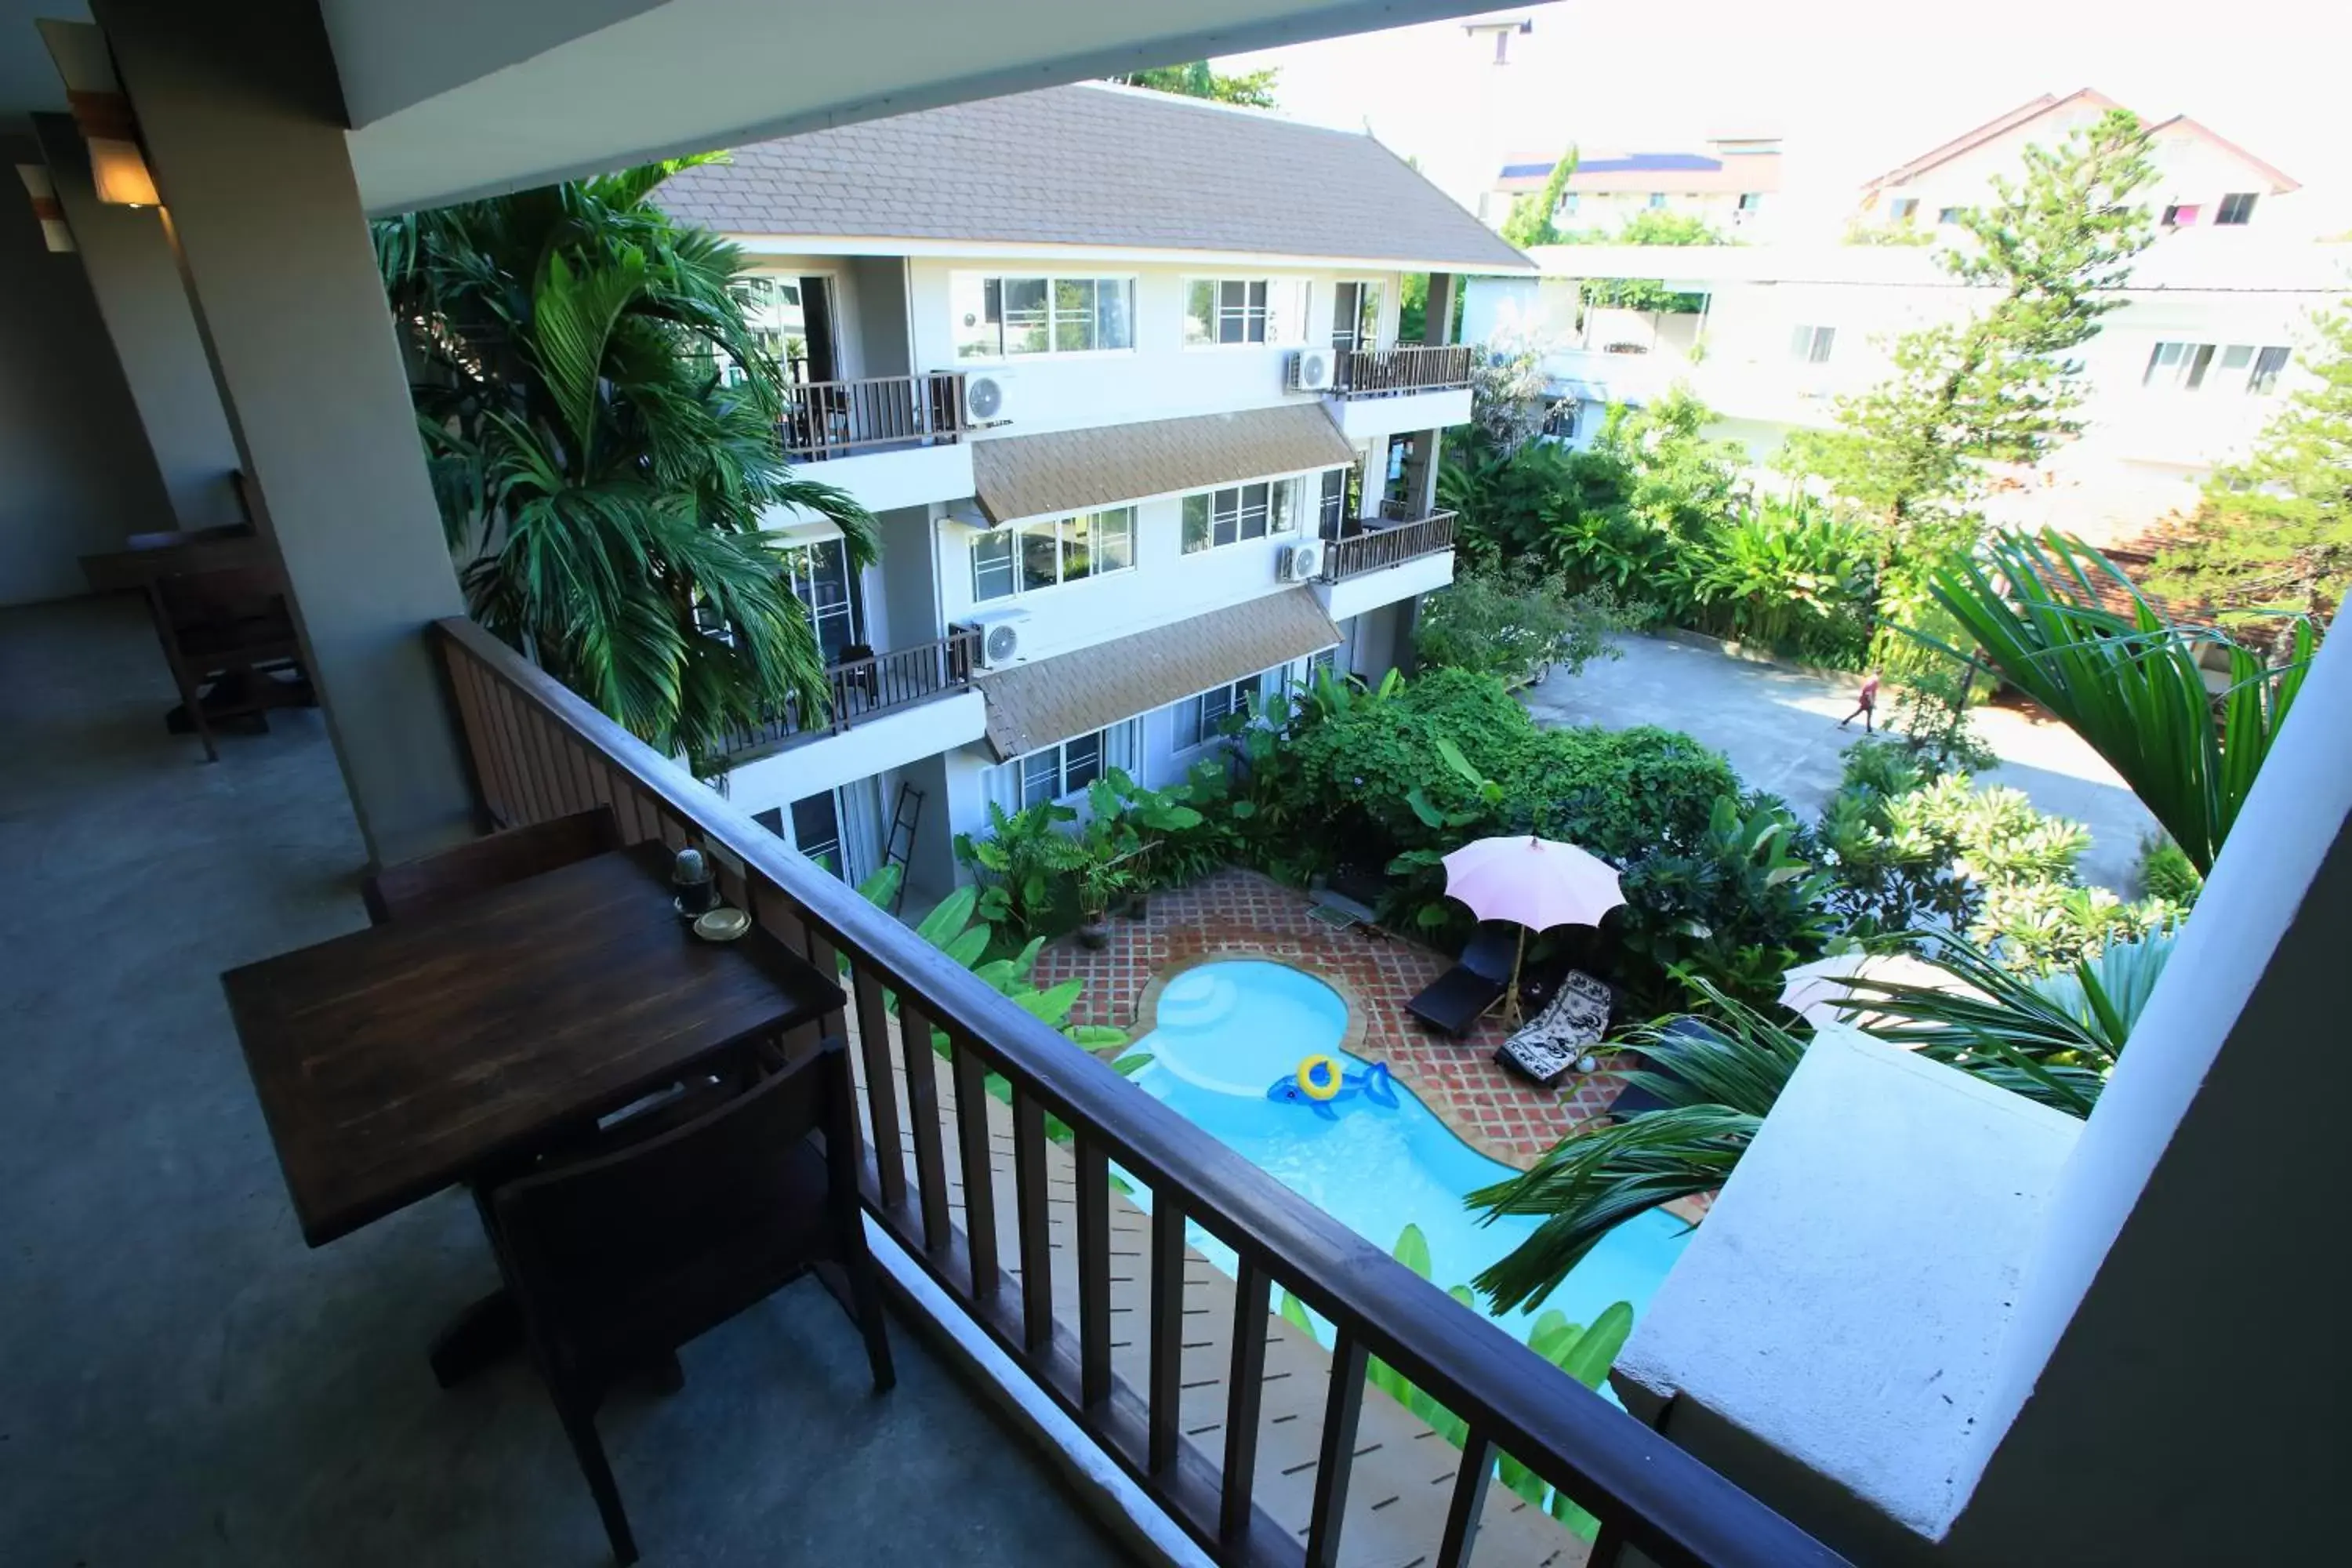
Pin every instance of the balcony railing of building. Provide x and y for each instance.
(1396, 538)
(866, 687)
(835, 418)
(1408, 367)
(538, 751)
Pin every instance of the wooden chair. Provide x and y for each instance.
(617, 1261)
(434, 882)
(228, 628)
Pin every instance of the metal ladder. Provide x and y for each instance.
(898, 846)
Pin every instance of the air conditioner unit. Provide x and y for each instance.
(988, 396)
(1302, 562)
(999, 637)
(1311, 370)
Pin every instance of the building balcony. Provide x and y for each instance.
(889, 440)
(1396, 556)
(885, 711)
(1413, 386)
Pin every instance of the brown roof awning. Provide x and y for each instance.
(1072, 471)
(1034, 705)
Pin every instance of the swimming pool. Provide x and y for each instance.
(1230, 1031)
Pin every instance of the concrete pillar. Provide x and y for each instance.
(136, 279)
(240, 111)
(1437, 323)
(2172, 1382)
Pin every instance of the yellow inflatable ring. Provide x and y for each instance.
(1311, 1086)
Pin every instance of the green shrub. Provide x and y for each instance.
(1514, 625)
(1734, 911)
(2167, 873)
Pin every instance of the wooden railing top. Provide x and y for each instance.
(1656, 1497)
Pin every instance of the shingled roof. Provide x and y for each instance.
(1095, 165)
(1031, 706)
(1017, 476)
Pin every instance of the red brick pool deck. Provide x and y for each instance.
(1239, 913)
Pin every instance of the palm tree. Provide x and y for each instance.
(601, 423)
(2054, 1037)
(2130, 685)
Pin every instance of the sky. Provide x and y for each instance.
(1855, 86)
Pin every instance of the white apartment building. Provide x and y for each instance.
(2203, 179)
(1733, 183)
(1119, 374)
(2181, 377)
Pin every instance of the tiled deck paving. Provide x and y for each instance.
(1242, 915)
(1403, 1476)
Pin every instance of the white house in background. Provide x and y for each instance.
(1733, 183)
(1119, 374)
(2203, 179)
(2181, 377)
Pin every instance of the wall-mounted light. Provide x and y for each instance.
(117, 167)
(45, 206)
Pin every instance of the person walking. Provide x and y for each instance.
(1866, 707)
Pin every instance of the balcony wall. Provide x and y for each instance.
(874, 746)
(885, 480)
(1368, 418)
(1369, 591)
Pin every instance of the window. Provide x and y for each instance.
(1244, 311)
(1355, 315)
(1810, 346)
(997, 318)
(1657, 199)
(2236, 208)
(1570, 203)
(1947, 214)
(817, 830)
(1199, 718)
(1332, 515)
(1751, 204)
(820, 580)
(1214, 518)
(1060, 772)
(2181, 215)
(2178, 367)
(1903, 209)
(2268, 365)
(1009, 561)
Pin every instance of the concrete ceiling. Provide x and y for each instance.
(488, 95)
(28, 80)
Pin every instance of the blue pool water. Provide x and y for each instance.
(1228, 1031)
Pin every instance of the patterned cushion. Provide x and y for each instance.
(1552, 1044)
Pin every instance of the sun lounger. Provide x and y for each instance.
(1559, 1039)
(1456, 998)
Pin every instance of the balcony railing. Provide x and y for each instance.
(835, 418)
(864, 688)
(539, 752)
(1408, 367)
(1390, 542)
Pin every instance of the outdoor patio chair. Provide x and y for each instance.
(432, 882)
(617, 1261)
(1559, 1039)
(1456, 999)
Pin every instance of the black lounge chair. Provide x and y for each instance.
(1456, 999)
(1632, 1099)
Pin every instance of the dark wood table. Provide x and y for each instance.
(401, 1059)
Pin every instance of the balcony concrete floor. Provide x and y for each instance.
(181, 1381)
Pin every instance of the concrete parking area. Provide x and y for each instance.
(1779, 728)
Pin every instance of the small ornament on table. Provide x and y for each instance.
(698, 889)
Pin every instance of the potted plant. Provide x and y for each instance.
(1099, 883)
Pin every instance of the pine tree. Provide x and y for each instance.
(2001, 387)
(2275, 533)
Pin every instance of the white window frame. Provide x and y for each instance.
(1114, 746)
(1285, 499)
(2178, 366)
(1295, 325)
(1812, 344)
(1079, 529)
(958, 282)
(1374, 289)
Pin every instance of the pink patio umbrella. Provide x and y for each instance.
(1536, 883)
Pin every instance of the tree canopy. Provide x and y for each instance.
(1534, 219)
(2275, 533)
(1253, 90)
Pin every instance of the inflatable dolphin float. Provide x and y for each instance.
(1372, 1083)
